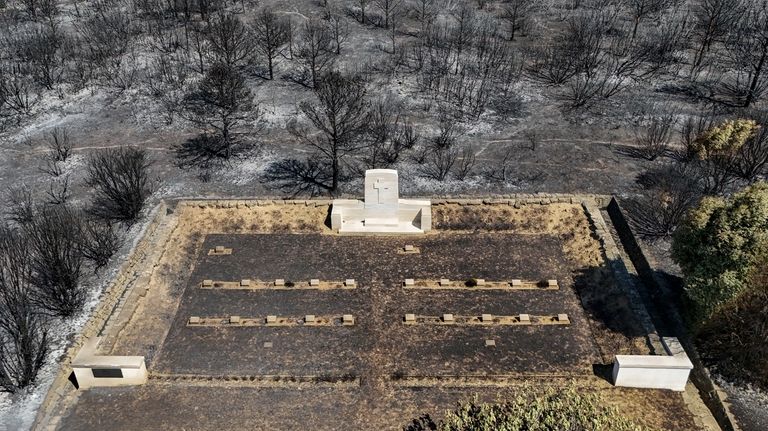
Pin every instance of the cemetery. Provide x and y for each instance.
(264, 307)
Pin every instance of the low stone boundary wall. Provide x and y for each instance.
(97, 323)
(517, 200)
(668, 304)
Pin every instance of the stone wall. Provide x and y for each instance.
(665, 301)
(97, 323)
(511, 199)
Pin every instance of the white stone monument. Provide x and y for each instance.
(382, 212)
(668, 371)
(92, 369)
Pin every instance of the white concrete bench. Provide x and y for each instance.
(92, 370)
(654, 372)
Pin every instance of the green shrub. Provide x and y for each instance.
(471, 282)
(717, 246)
(733, 340)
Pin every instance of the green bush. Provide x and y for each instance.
(733, 340)
(717, 246)
(536, 410)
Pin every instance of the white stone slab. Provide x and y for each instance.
(133, 369)
(653, 372)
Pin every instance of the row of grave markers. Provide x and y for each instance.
(351, 283)
(412, 319)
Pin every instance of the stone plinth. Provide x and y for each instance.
(654, 372)
(382, 211)
(93, 370)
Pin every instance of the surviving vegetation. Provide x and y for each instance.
(722, 248)
(532, 409)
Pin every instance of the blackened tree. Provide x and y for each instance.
(339, 122)
(751, 160)
(389, 134)
(271, 33)
(23, 331)
(56, 261)
(121, 183)
(669, 192)
(314, 52)
(747, 54)
(221, 103)
(99, 241)
(230, 41)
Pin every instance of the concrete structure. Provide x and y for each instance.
(382, 212)
(92, 370)
(654, 372)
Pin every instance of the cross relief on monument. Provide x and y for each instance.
(380, 187)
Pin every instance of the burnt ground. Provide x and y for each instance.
(193, 408)
(379, 350)
(379, 304)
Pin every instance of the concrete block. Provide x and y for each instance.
(448, 318)
(234, 320)
(349, 282)
(280, 282)
(552, 283)
(490, 343)
(517, 283)
(245, 282)
(562, 318)
(445, 282)
(314, 282)
(480, 282)
(207, 283)
(525, 318)
(654, 372)
(409, 282)
(271, 319)
(219, 249)
(486, 318)
(268, 344)
(410, 318)
(348, 319)
(408, 247)
(309, 318)
(194, 320)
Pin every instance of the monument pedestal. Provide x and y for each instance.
(382, 212)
